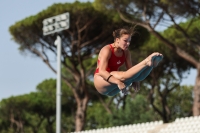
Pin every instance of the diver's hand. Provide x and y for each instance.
(121, 85)
(136, 86)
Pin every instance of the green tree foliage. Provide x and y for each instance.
(24, 113)
(89, 31)
(192, 26)
(152, 13)
(136, 110)
(181, 101)
(68, 105)
(164, 79)
(94, 121)
(35, 112)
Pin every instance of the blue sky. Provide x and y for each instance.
(21, 74)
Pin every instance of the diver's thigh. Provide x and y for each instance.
(103, 86)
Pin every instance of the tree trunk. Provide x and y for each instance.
(81, 112)
(165, 109)
(18, 124)
(196, 102)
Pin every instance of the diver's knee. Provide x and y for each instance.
(123, 76)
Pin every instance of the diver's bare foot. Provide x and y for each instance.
(149, 61)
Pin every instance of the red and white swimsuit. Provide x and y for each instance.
(114, 62)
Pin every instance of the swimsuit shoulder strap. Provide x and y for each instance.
(111, 47)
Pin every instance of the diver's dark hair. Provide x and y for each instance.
(125, 30)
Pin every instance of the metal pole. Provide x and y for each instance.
(58, 86)
(61, 23)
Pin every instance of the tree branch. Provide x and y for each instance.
(179, 28)
(179, 51)
(86, 25)
(157, 22)
(91, 41)
(44, 43)
(106, 106)
(42, 57)
(152, 102)
(133, 21)
(144, 10)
